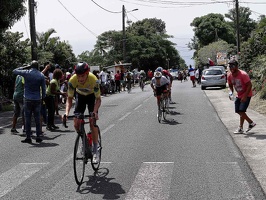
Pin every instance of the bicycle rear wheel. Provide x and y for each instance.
(159, 114)
(95, 166)
(79, 159)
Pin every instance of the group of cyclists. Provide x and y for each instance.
(86, 87)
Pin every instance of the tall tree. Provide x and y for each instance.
(13, 53)
(147, 46)
(53, 50)
(210, 28)
(246, 24)
(10, 12)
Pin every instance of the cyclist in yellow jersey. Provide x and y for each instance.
(87, 94)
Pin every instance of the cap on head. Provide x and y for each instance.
(233, 62)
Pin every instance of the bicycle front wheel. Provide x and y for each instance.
(95, 166)
(79, 159)
(159, 114)
(164, 109)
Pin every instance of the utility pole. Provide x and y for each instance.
(124, 33)
(237, 27)
(32, 30)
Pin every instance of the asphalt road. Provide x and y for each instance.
(192, 155)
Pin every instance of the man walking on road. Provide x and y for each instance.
(240, 81)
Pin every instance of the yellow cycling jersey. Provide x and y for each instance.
(90, 86)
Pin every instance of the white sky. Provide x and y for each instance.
(53, 14)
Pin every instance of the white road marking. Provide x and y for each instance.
(124, 116)
(57, 167)
(16, 175)
(107, 129)
(137, 107)
(5, 126)
(153, 181)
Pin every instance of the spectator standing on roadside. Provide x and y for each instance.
(122, 81)
(34, 80)
(103, 79)
(18, 103)
(52, 91)
(240, 81)
(117, 81)
(191, 72)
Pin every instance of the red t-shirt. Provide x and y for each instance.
(117, 77)
(240, 83)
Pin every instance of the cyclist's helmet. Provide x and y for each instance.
(81, 68)
(157, 74)
(159, 69)
(165, 72)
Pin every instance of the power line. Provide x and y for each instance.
(105, 8)
(77, 19)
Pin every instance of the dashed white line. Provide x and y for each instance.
(15, 176)
(124, 116)
(107, 129)
(153, 181)
(57, 167)
(138, 107)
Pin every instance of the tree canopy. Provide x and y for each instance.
(10, 12)
(147, 46)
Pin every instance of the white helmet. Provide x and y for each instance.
(157, 74)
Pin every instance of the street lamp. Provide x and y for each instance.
(124, 31)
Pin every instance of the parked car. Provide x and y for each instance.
(222, 68)
(174, 73)
(213, 77)
(219, 67)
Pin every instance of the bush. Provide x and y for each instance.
(263, 93)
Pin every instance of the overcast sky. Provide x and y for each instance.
(80, 22)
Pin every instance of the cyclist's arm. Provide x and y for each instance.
(68, 105)
(152, 86)
(97, 105)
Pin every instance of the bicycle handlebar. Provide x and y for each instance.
(78, 116)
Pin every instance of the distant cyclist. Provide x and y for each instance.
(159, 83)
(128, 78)
(142, 78)
(170, 77)
(88, 94)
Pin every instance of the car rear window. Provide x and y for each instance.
(213, 72)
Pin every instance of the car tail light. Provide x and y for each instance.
(202, 78)
(223, 76)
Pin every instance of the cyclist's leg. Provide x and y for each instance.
(158, 95)
(80, 107)
(94, 130)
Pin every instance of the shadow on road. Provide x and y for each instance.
(99, 183)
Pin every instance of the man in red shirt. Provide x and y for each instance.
(240, 81)
(117, 81)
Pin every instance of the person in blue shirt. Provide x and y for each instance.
(34, 93)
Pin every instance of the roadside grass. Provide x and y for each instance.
(258, 104)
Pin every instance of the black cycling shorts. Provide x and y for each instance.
(159, 90)
(82, 101)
